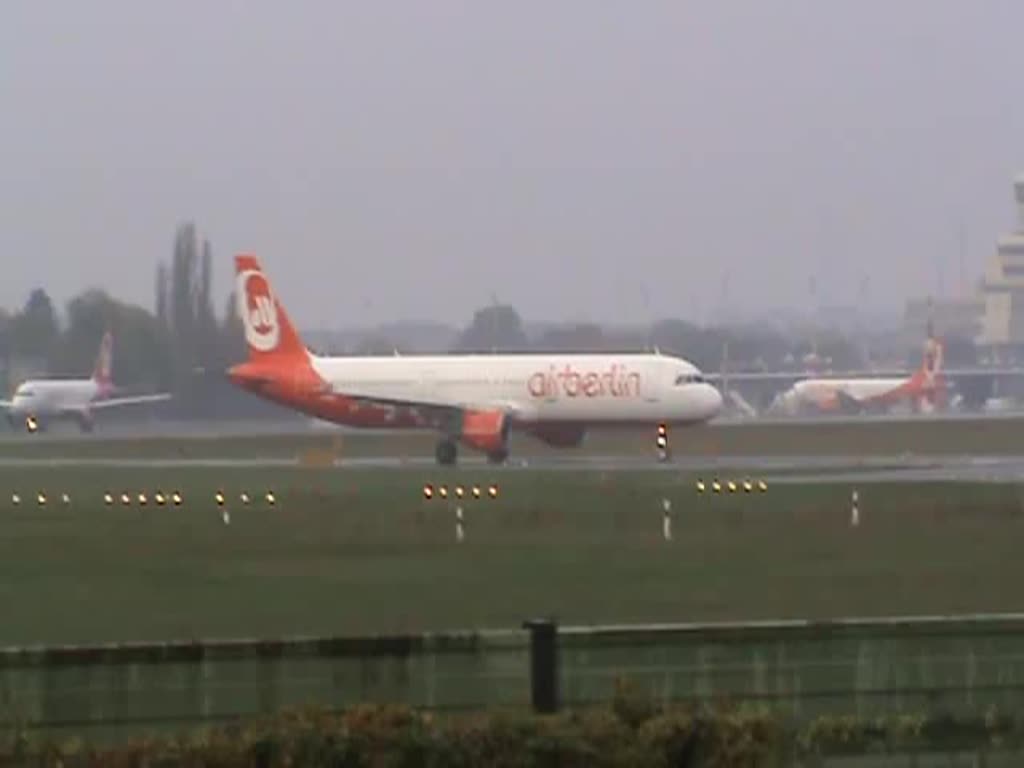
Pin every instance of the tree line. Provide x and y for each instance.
(190, 337)
(182, 345)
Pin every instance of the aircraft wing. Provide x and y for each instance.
(134, 400)
(4, 405)
(794, 376)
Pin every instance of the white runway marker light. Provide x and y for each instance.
(226, 517)
(855, 509)
(15, 499)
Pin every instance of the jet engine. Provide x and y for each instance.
(486, 431)
(559, 435)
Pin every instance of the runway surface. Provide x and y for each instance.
(164, 429)
(790, 469)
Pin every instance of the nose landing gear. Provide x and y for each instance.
(664, 453)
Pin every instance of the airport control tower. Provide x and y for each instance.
(1003, 289)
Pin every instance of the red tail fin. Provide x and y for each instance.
(929, 383)
(101, 372)
(269, 332)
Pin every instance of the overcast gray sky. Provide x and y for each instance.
(579, 159)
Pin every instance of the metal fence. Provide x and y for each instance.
(803, 669)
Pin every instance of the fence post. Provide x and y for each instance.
(543, 665)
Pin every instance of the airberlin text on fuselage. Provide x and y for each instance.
(616, 381)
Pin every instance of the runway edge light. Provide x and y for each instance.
(661, 442)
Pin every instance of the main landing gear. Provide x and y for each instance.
(447, 453)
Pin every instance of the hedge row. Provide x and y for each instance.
(627, 733)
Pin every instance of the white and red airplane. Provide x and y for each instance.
(38, 401)
(924, 390)
(470, 399)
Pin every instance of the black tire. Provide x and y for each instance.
(446, 453)
(498, 457)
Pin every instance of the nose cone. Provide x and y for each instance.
(709, 401)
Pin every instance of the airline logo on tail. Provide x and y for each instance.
(258, 308)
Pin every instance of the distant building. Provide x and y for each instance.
(962, 318)
(1002, 289)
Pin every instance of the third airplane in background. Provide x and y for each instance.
(470, 399)
(923, 390)
(39, 401)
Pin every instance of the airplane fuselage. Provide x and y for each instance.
(565, 389)
(52, 397)
(833, 394)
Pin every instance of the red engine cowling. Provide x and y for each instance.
(485, 431)
(559, 435)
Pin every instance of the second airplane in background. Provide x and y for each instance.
(924, 390)
(37, 402)
(474, 400)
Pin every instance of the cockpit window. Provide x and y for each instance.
(689, 378)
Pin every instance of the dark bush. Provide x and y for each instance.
(630, 732)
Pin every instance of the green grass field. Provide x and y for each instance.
(360, 551)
